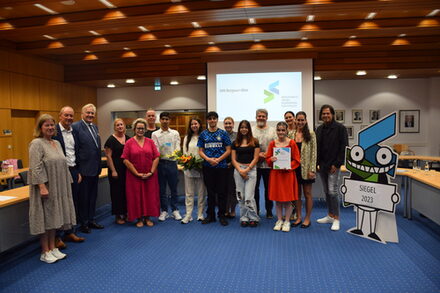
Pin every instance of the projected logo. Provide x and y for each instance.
(273, 90)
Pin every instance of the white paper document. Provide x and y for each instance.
(5, 198)
(283, 158)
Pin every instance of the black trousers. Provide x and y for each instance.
(216, 181)
(88, 193)
(263, 172)
(75, 191)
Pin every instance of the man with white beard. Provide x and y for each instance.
(265, 134)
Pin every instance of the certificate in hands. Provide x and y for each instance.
(283, 158)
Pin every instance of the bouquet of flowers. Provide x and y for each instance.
(188, 162)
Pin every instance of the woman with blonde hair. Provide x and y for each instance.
(114, 146)
(141, 158)
(50, 195)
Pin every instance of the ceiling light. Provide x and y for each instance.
(94, 33)
(126, 49)
(201, 77)
(257, 40)
(371, 15)
(130, 80)
(433, 13)
(211, 43)
(111, 85)
(87, 51)
(167, 46)
(352, 37)
(252, 20)
(195, 24)
(310, 18)
(392, 76)
(8, 8)
(361, 72)
(143, 28)
(49, 37)
(48, 10)
(175, 1)
(68, 2)
(174, 82)
(304, 38)
(316, 77)
(107, 3)
(90, 57)
(402, 35)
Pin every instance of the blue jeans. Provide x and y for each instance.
(330, 184)
(167, 175)
(245, 189)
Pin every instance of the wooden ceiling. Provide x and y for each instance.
(146, 40)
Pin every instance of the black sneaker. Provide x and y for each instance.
(208, 220)
(224, 222)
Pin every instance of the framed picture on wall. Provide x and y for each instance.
(409, 121)
(374, 115)
(340, 116)
(349, 131)
(356, 116)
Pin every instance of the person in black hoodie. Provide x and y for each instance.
(332, 139)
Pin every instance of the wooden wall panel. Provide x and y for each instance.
(4, 60)
(23, 123)
(28, 65)
(51, 95)
(5, 121)
(5, 90)
(24, 92)
(5, 150)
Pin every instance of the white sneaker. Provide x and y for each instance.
(326, 220)
(176, 215)
(286, 226)
(278, 226)
(48, 257)
(187, 219)
(58, 254)
(200, 218)
(335, 225)
(163, 216)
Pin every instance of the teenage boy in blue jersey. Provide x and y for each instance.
(214, 147)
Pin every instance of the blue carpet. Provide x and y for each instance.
(171, 257)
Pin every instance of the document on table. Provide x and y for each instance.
(283, 158)
(5, 198)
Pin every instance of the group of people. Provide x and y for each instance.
(65, 165)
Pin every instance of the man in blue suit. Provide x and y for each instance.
(89, 155)
(68, 139)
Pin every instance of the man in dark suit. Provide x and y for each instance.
(68, 139)
(89, 156)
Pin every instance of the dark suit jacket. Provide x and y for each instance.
(60, 138)
(88, 154)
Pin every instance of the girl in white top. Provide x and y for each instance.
(193, 178)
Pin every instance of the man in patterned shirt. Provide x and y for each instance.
(214, 147)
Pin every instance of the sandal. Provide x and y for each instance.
(139, 224)
(149, 223)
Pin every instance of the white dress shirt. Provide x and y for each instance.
(69, 144)
(166, 141)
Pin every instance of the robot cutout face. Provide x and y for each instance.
(368, 159)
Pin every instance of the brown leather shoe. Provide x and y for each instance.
(73, 238)
(59, 243)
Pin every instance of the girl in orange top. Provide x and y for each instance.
(283, 187)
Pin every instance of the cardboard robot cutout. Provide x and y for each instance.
(371, 165)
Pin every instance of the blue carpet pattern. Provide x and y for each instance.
(171, 257)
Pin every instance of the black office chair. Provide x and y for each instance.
(20, 180)
(23, 176)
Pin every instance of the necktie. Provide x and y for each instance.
(94, 135)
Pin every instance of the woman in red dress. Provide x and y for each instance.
(283, 187)
(142, 186)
